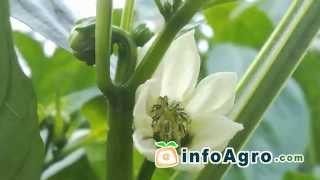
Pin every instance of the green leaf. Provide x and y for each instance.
(233, 23)
(60, 74)
(183, 175)
(307, 76)
(21, 147)
(73, 102)
(96, 153)
(212, 3)
(275, 9)
(161, 174)
(230, 57)
(279, 122)
(298, 176)
(4, 70)
(33, 162)
(50, 18)
(79, 170)
(270, 71)
(95, 111)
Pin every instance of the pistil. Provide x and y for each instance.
(170, 121)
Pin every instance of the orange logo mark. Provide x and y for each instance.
(166, 156)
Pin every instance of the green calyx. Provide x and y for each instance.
(142, 34)
(170, 122)
(82, 40)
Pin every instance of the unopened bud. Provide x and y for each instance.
(82, 40)
(168, 7)
(142, 34)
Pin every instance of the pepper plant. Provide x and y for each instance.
(152, 86)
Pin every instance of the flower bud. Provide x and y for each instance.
(142, 34)
(82, 40)
(168, 7)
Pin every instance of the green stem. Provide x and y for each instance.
(270, 71)
(154, 55)
(127, 15)
(127, 55)
(119, 143)
(103, 44)
(58, 128)
(146, 170)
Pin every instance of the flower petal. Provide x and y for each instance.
(146, 96)
(144, 144)
(179, 69)
(215, 94)
(212, 131)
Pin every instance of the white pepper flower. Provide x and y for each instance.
(171, 106)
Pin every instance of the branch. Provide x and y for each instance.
(127, 15)
(103, 44)
(154, 55)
